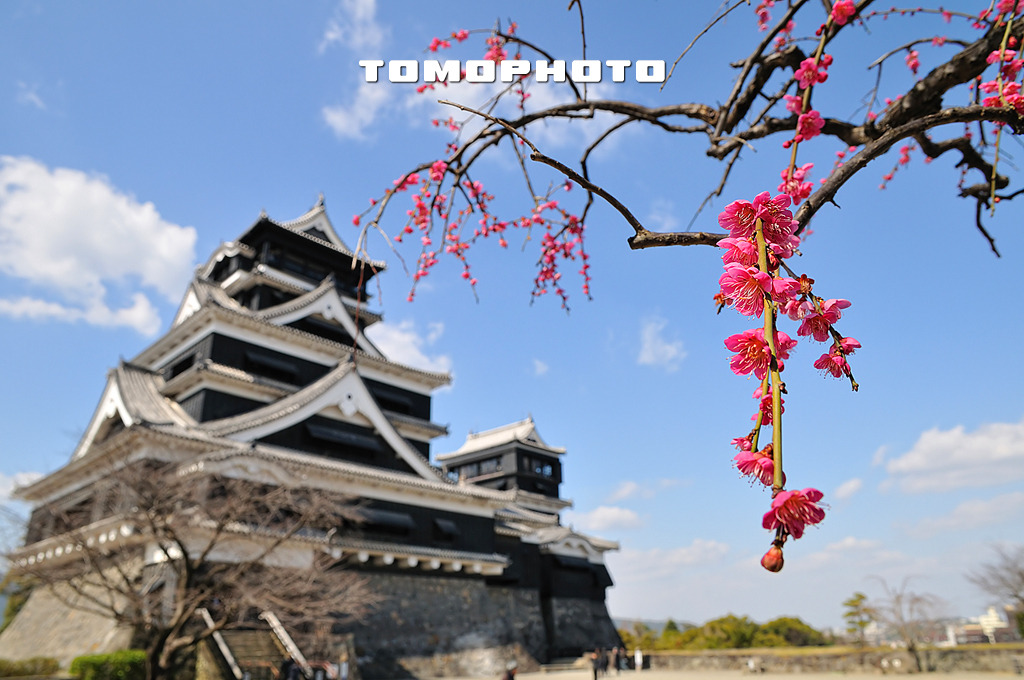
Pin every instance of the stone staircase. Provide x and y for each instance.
(257, 652)
(565, 664)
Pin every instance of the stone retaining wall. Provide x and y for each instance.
(1003, 660)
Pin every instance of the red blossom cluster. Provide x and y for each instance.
(761, 236)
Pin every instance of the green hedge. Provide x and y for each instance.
(129, 664)
(40, 665)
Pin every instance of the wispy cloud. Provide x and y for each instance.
(604, 518)
(403, 343)
(632, 566)
(848, 488)
(28, 95)
(656, 349)
(354, 25)
(630, 489)
(942, 460)
(974, 514)
(74, 235)
(539, 367)
(863, 552)
(625, 490)
(663, 216)
(351, 121)
(9, 482)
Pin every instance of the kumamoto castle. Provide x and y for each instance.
(266, 376)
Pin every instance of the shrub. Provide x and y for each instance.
(39, 665)
(129, 664)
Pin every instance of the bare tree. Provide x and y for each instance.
(1003, 578)
(178, 543)
(908, 615)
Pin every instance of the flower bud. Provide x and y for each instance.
(772, 560)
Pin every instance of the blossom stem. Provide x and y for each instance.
(755, 435)
(1002, 97)
(769, 337)
(806, 99)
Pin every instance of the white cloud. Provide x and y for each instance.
(355, 26)
(539, 367)
(862, 552)
(141, 315)
(643, 566)
(879, 457)
(9, 482)
(352, 121)
(404, 344)
(74, 235)
(604, 518)
(655, 349)
(630, 489)
(848, 488)
(976, 513)
(663, 216)
(952, 459)
(28, 96)
(624, 490)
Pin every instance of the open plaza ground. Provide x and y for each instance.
(585, 674)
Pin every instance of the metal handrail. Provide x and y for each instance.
(222, 645)
(287, 642)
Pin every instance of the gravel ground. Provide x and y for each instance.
(739, 675)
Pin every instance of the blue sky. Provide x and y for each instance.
(137, 137)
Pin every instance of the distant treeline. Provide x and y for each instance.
(728, 632)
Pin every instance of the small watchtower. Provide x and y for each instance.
(509, 457)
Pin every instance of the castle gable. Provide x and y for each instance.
(339, 393)
(131, 397)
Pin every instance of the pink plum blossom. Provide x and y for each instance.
(808, 125)
(1010, 6)
(777, 221)
(742, 443)
(753, 354)
(817, 323)
(794, 510)
(849, 345)
(740, 250)
(913, 63)
(810, 73)
(797, 310)
(833, 363)
(756, 464)
(766, 407)
(437, 170)
(842, 11)
(738, 217)
(783, 289)
(746, 287)
(794, 186)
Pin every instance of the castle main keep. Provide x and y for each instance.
(266, 375)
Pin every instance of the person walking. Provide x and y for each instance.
(510, 671)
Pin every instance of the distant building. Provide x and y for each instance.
(990, 627)
(266, 374)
